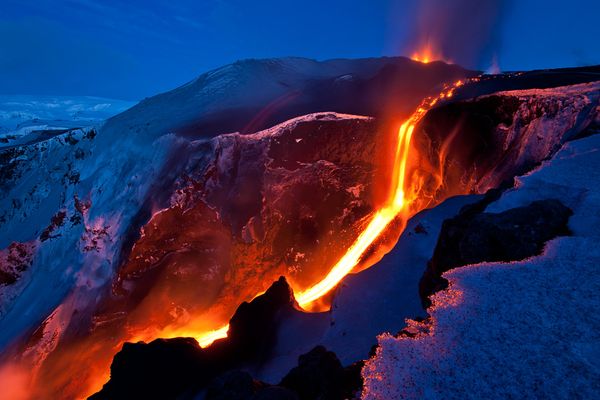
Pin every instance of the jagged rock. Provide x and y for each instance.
(474, 236)
(239, 385)
(253, 326)
(275, 393)
(473, 145)
(320, 375)
(14, 261)
(162, 369)
(133, 166)
(176, 368)
(234, 385)
(169, 368)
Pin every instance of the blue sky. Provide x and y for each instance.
(133, 49)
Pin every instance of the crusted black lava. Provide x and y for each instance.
(474, 236)
(179, 368)
(319, 375)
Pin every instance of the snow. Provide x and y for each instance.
(527, 329)
(246, 88)
(115, 174)
(22, 115)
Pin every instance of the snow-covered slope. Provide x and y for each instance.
(73, 198)
(21, 116)
(527, 329)
(251, 95)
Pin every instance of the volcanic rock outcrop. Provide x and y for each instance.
(180, 368)
(169, 368)
(474, 145)
(474, 236)
(289, 199)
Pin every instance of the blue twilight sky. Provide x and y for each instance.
(133, 49)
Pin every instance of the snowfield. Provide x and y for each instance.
(23, 115)
(526, 329)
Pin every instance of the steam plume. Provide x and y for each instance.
(467, 32)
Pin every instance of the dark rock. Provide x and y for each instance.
(475, 144)
(170, 368)
(538, 79)
(234, 385)
(420, 229)
(275, 393)
(475, 236)
(320, 375)
(253, 327)
(56, 222)
(161, 369)
(14, 261)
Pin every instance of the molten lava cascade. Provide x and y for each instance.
(402, 202)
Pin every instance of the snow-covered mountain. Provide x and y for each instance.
(24, 118)
(128, 228)
(251, 95)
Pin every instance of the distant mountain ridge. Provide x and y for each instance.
(251, 95)
(24, 117)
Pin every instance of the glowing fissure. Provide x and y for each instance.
(427, 53)
(398, 200)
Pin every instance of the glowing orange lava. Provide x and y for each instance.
(427, 53)
(400, 197)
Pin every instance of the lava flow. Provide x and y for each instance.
(397, 204)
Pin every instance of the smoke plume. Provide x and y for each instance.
(466, 32)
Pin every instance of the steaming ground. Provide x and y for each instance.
(526, 329)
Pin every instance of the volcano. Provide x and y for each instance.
(294, 229)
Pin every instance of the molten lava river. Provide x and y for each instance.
(408, 190)
(407, 196)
